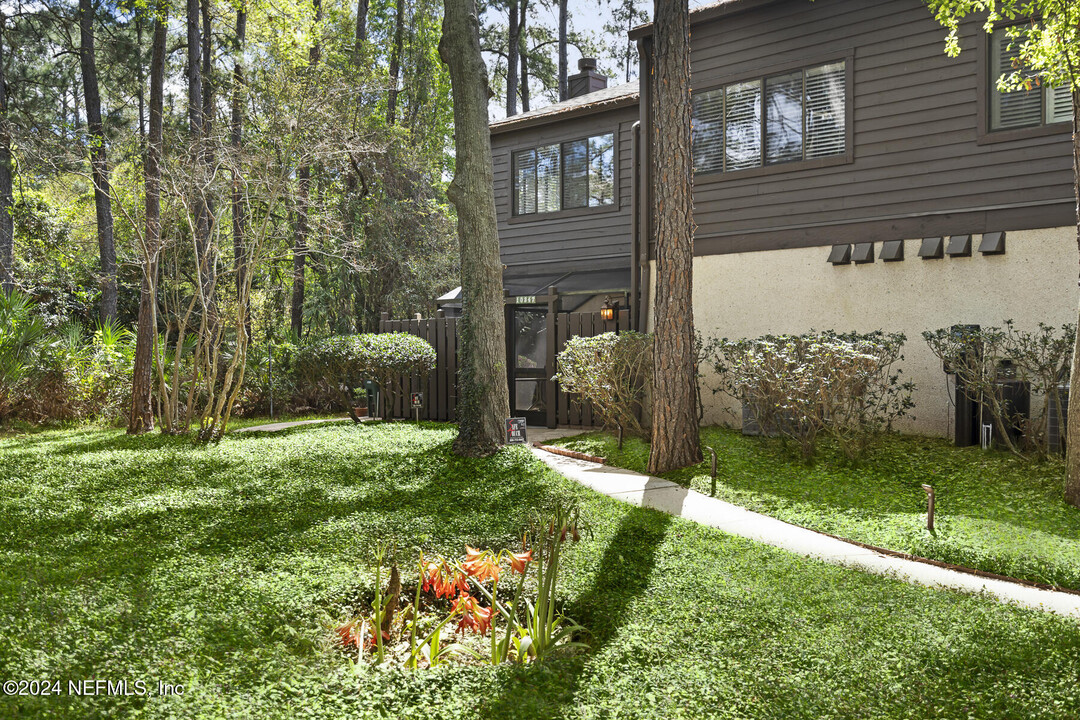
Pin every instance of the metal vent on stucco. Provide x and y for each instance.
(863, 253)
(840, 254)
(993, 243)
(892, 250)
(959, 246)
(932, 248)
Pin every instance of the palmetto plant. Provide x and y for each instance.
(20, 332)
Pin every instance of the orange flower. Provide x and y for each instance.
(519, 561)
(472, 554)
(349, 635)
(432, 576)
(473, 616)
(482, 567)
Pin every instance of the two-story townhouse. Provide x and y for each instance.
(848, 175)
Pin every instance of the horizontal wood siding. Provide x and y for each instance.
(593, 239)
(918, 164)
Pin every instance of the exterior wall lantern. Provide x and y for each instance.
(609, 309)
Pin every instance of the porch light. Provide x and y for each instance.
(608, 309)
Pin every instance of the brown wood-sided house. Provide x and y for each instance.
(848, 175)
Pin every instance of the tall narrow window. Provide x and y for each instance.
(525, 182)
(825, 110)
(742, 125)
(601, 170)
(707, 131)
(1021, 108)
(784, 118)
(548, 178)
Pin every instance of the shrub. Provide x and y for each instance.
(612, 371)
(982, 358)
(20, 332)
(330, 369)
(800, 386)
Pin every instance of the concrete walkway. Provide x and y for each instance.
(274, 427)
(666, 496)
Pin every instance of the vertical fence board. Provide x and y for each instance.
(452, 365)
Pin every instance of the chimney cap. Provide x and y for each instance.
(586, 63)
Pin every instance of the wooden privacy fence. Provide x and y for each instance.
(440, 386)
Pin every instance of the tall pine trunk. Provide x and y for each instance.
(675, 422)
(395, 62)
(361, 25)
(523, 58)
(99, 167)
(513, 40)
(235, 136)
(141, 418)
(483, 400)
(1072, 438)
(562, 50)
(7, 225)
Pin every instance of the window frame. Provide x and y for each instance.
(615, 204)
(845, 55)
(986, 85)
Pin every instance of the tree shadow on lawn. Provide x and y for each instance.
(547, 690)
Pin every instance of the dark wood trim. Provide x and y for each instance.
(1000, 136)
(559, 214)
(706, 14)
(845, 54)
(1056, 214)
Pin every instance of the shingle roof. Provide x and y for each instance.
(597, 100)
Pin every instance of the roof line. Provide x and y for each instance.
(705, 13)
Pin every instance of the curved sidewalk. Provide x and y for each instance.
(666, 496)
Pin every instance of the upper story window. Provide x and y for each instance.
(1041, 105)
(563, 176)
(804, 118)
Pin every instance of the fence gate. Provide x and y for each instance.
(536, 332)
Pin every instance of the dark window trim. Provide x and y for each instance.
(616, 203)
(984, 135)
(845, 54)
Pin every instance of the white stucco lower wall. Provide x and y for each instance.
(794, 291)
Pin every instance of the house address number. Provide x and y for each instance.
(525, 299)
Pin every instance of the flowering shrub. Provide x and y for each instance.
(800, 386)
(612, 371)
(530, 630)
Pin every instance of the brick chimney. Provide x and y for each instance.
(587, 80)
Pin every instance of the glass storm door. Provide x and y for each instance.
(528, 370)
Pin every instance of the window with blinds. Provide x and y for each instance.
(1021, 108)
(563, 176)
(800, 115)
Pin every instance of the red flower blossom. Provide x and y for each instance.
(519, 561)
(349, 635)
(473, 616)
(482, 567)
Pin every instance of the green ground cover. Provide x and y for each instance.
(994, 512)
(225, 567)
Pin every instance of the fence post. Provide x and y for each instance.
(551, 392)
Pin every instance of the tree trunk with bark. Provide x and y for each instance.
(562, 50)
(141, 418)
(1072, 438)
(395, 62)
(99, 167)
(513, 39)
(523, 56)
(483, 402)
(197, 131)
(361, 24)
(235, 136)
(675, 440)
(7, 200)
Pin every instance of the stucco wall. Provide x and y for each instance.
(793, 291)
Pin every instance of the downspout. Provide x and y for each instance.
(635, 188)
(644, 182)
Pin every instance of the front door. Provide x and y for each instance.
(529, 374)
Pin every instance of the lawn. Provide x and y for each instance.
(225, 568)
(994, 512)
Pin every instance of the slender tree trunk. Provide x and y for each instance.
(300, 236)
(513, 40)
(1072, 437)
(483, 402)
(142, 414)
(99, 166)
(361, 24)
(235, 136)
(141, 77)
(395, 62)
(674, 423)
(562, 50)
(523, 58)
(196, 129)
(7, 200)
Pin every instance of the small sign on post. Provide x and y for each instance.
(417, 400)
(515, 431)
